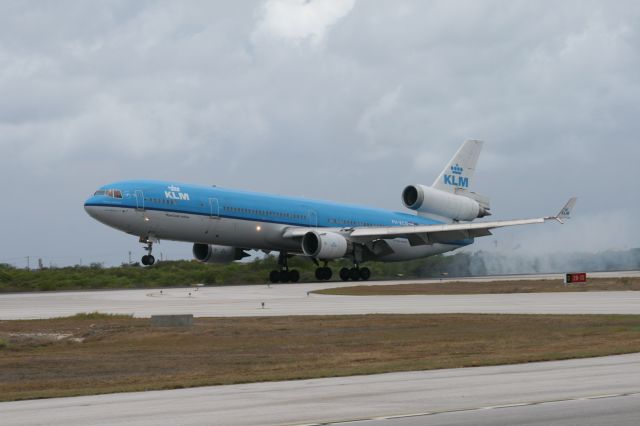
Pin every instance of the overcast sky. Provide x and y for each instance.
(330, 99)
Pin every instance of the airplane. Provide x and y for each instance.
(223, 224)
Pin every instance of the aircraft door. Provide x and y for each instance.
(139, 200)
(214, 217)
(214, 208)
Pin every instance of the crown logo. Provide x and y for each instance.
(174, 188)
(456, 170)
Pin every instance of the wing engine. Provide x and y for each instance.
(211, 253)
(324, 245)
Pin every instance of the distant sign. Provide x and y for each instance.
(575, 277)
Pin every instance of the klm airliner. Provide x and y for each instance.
(223, 224)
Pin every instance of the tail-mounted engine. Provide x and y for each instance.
(463, 205)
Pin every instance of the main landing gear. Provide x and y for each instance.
(283, 274)
(356, 273)
(323, 273)
(147, 259)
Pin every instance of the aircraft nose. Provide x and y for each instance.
(90, 207)
(87, 209)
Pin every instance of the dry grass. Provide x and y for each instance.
(493, 287)
(76, 356)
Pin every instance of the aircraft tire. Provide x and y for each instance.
(284, 276)
(328, 273)
(354, 274)
(294, 275)
(274, 277)
(323, 273)
(345, 274)
(151, 260)
(365, 274)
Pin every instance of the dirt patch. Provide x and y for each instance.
(493, 287)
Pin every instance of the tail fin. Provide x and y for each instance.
(459, 171)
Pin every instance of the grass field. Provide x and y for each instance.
(493, 287)
(95, 353)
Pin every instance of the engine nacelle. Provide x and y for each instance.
(211, 253)
(324, 245)
(440, 203)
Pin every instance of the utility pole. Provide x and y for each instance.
(129, 257)
(28, 263)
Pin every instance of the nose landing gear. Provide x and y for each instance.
(147, 259)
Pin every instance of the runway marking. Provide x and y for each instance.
(490, 407)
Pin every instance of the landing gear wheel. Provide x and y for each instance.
(294, 275)
(284, 276)
(354, 274)
(147, 259)
(328, 273)
(365, 274)
(323, 273)
(345, 274)
(274, 276)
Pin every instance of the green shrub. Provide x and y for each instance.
(100, 315)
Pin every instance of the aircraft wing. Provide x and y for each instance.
(431, 234)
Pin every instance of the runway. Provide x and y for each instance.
(588, 391)
(296, 299)
(574, 392)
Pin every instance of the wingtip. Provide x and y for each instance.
(565, 212)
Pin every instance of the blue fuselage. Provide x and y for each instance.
(183, 212)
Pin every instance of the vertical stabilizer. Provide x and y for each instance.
(459, 171)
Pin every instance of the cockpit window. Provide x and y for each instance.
(99, 192)
(113, 193)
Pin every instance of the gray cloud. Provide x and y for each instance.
(326, 99)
